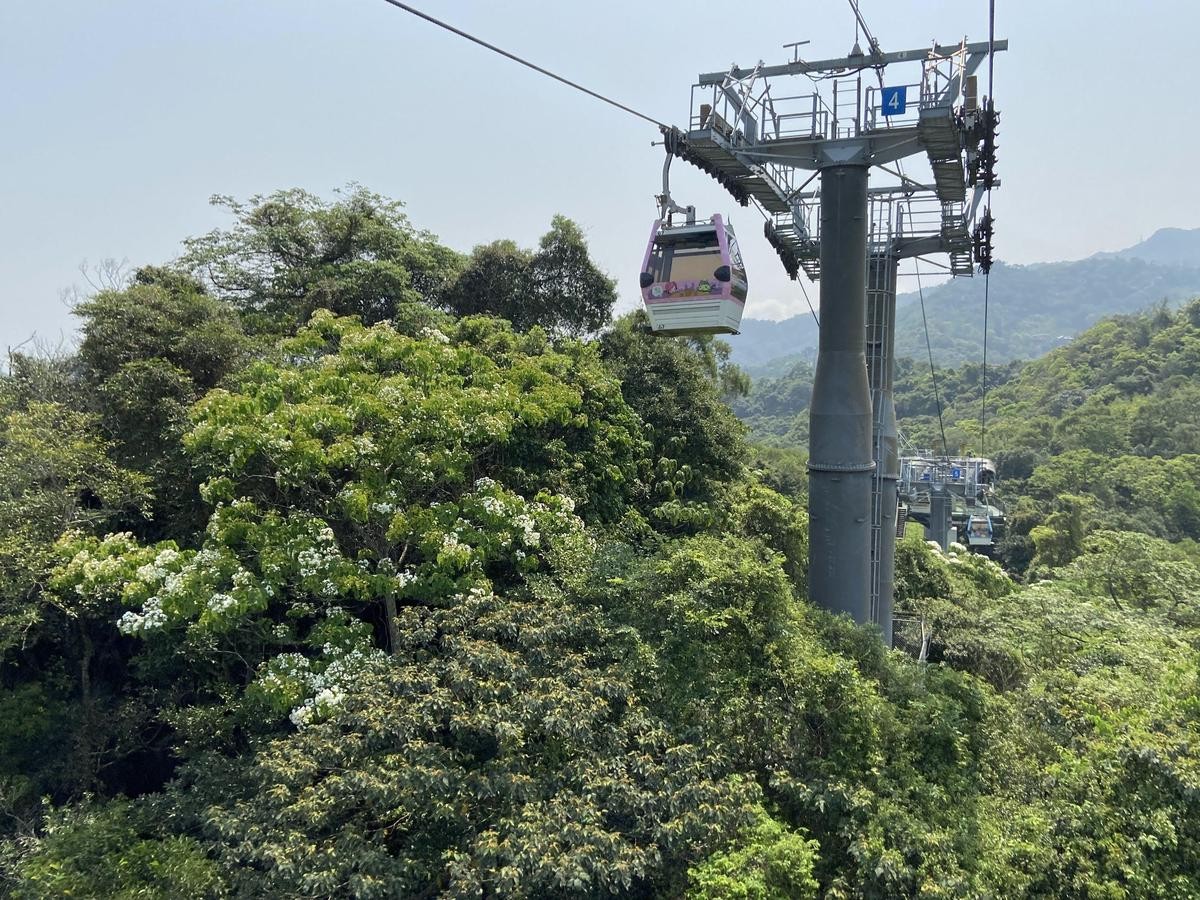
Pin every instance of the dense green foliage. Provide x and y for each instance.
(1100, 434)
(557, 286)
(1033, 309)
(312, 588)
(776, 408)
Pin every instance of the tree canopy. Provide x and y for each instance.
(317, 584)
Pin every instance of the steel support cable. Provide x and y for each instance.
(482, 43)
(767, 218)
(987, 275)
(809, 302)
(983, 375)
(932, 371)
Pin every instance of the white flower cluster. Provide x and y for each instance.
(434, 334)
(92, 569)
(192, 575)
(492, 505)
(284, 667)
(324, 702)
(154, 572)
(328, 688)
(221, 603)
(311, 562)
(529, 534)
(150, 618)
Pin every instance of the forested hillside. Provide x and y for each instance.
(1104, 432)
(1032, 309)
(776, 409)
(339, 564)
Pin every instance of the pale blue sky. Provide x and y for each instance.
(119, 118)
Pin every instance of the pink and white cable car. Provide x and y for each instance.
(693, 279)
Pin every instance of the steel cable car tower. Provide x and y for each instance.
(753, 140)
(848, 235)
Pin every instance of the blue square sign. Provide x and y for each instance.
(895, 101)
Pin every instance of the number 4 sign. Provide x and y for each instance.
(895, 101)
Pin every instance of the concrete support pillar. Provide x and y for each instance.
(880, 348)
(940, 509)
(840, 463)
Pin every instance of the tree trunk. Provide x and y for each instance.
(393, 630)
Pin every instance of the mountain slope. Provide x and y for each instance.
(1032, 309)
(1167, 247)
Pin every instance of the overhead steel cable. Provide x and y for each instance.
(987, 275)
(803, 289)
(932, 370)
(559, 78)
(809, 302)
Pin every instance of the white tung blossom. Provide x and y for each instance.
(328, 688)
(220, 603)
(310, 561)
(529, 536)
(150, 618)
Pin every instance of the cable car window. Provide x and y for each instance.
(695, 265)
(735, 255)
(738, 288)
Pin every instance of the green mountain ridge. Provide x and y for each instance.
(1031, 308)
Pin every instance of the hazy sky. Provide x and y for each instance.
(119, 119)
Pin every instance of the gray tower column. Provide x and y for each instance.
(840, 463)
(881, 342)
(939, 515)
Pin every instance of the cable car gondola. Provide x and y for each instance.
(693, 279)
(979, 531)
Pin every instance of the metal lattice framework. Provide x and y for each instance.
(768, 144)
(752, 138)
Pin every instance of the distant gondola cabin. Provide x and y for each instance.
(693, 279)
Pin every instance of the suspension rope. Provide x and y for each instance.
(932, 370)
(482, 43)
(809, 302)
(987, 275)
(767, 218)
(983, 375)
